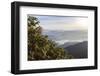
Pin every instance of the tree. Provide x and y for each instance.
(39, 46)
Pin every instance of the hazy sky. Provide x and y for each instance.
(63, 22)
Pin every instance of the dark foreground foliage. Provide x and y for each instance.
(39, 46)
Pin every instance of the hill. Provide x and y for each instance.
(78, 50)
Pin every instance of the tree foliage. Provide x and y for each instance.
(39, 46)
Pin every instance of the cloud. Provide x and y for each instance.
(63, 22)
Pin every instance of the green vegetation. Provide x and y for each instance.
(39, 46)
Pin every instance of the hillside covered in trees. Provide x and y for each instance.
(40, 47)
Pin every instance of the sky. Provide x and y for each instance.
(62, 22)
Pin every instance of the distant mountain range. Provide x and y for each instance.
(75, 42)
(58, 35)
(78, 50)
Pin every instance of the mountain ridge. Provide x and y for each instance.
(78, 50)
